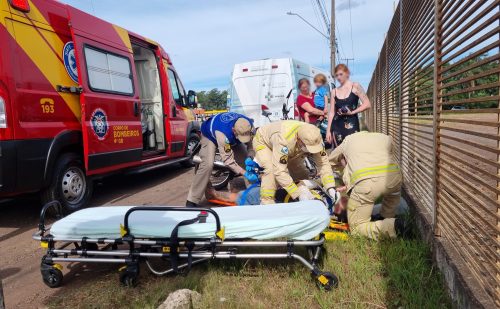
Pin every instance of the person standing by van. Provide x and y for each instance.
(225, 132)
(305, 103)
(344, 108)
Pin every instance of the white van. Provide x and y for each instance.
(263, 85)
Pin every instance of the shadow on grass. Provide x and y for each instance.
(412, 279)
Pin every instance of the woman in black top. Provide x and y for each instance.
(344, 107)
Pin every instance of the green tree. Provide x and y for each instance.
(213, 99)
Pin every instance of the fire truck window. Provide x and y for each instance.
(181, 91)
(108, 72)
(175, 88)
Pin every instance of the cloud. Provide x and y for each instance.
(345, 4)
(206, 38)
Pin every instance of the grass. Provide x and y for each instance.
(385, 274)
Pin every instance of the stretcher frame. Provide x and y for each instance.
(174, 249)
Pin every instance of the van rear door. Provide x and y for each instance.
(111, 123)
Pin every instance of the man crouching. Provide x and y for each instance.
(370, 173)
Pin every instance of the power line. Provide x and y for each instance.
(325, 9)
(323, 15)
(350, 22)
(316, 14)
(339, 43)
(308, 23)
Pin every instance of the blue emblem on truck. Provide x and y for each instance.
(99, 124)
(70, 61)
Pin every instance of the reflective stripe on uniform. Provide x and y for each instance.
(267, 192)
(376, 170)
(328, 179)
(260, 147)
(291, 188)
(292, 131)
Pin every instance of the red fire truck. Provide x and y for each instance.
(81, 98)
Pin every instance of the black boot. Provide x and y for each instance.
(191, 204)
(403, 228)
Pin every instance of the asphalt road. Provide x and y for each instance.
(20, 256)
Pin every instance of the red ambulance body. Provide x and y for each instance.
(81, 98)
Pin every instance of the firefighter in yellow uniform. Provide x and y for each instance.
(371, 173)
(280, 148)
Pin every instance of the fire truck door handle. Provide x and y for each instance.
(136, 109)
(69, 89)
(174, 111)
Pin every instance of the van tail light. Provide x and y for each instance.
(274, 66)
(21, 5)
(264, 107)
(3, 114)
(245, 70)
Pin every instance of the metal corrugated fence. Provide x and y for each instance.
(435, 90)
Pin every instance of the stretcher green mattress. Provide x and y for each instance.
(297, 221)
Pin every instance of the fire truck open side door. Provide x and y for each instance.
(102, 59)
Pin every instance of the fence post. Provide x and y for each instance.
(2, 302)
(400, 83)
(498, 196)
(386, 92)
(436, 112)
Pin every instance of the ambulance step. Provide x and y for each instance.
(154, 166)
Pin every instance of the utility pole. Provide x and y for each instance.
(346, 60)
(333, 42)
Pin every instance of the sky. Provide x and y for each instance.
(205, 38)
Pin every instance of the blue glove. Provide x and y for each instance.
(251, 165)
(249, 161)
(251, 177)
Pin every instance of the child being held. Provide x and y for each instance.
(320, 95)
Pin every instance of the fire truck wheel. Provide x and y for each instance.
(194, 140)
(70, 186)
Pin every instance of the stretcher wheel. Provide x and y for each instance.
(327, 281)
(128, 278)
(52, 277)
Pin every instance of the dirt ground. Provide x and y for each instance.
(20, 255)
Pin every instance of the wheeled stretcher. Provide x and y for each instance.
(182, 237)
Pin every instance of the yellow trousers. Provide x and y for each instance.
(362, 199)
(296, 168)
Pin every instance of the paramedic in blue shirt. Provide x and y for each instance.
(226, 132)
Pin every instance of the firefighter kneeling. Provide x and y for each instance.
(370, 173)
(280, 148)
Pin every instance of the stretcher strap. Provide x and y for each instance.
(174, 245)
